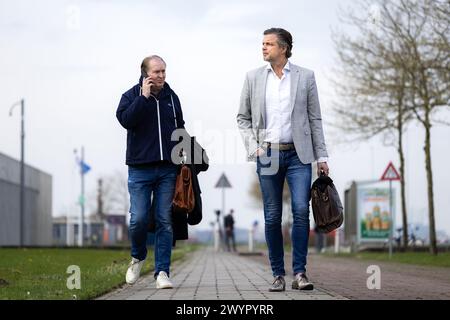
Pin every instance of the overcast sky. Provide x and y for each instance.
(72, 60)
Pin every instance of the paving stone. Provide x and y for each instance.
(208, 275)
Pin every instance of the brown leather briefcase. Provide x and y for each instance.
(326, 205)
(184, 198)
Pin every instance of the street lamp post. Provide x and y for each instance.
(22, 168)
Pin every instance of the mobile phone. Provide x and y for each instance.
(145, 76)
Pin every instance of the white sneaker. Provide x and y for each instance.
(134, 271)
(163, 281)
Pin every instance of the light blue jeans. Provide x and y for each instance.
(156, 183)
(298, 176)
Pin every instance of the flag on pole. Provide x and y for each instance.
(85, 168)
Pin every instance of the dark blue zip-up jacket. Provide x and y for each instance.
(150, 123)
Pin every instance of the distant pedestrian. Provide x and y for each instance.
(229, 230)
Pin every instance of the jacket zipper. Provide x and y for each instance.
(159, 124)
(174, 114)
(159, 127)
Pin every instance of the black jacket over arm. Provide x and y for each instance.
(180, 221)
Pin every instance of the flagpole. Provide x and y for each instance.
(81, 235)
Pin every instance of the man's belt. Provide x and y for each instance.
(278, 146)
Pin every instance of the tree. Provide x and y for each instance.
(407, 55)
(371, 88)
(422, 28)
(111, 195)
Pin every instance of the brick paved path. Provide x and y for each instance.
(398, 281)
(348, 277)
(207, 275)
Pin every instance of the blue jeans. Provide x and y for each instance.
(298, 176)
(156, 183)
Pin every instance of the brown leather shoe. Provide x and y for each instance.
(278, 284)
(301, 282)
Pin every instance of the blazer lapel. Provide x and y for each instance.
(262, 94)
(295, 79)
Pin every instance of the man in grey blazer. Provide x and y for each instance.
(280, 121)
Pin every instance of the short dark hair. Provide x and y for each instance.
(145, 62)
(284, 39)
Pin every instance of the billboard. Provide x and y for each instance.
(374, 214)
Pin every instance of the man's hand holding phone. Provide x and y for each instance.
(147, 84)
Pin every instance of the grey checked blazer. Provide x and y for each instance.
(306, 119)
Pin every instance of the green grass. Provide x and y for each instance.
(417, 258)
(41, 273)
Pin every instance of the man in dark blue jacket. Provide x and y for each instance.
(151, 111)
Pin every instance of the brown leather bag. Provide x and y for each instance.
(327, 207)
(184, 198)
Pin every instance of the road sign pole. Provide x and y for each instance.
(390, 174)
(223, 183)
(392, 219)
(222, 231)
(216, 236)
(223, 202)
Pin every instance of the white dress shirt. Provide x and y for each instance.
(278, 110)
(278, 107)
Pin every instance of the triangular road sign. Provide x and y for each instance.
(390, 174)
(223, 182)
